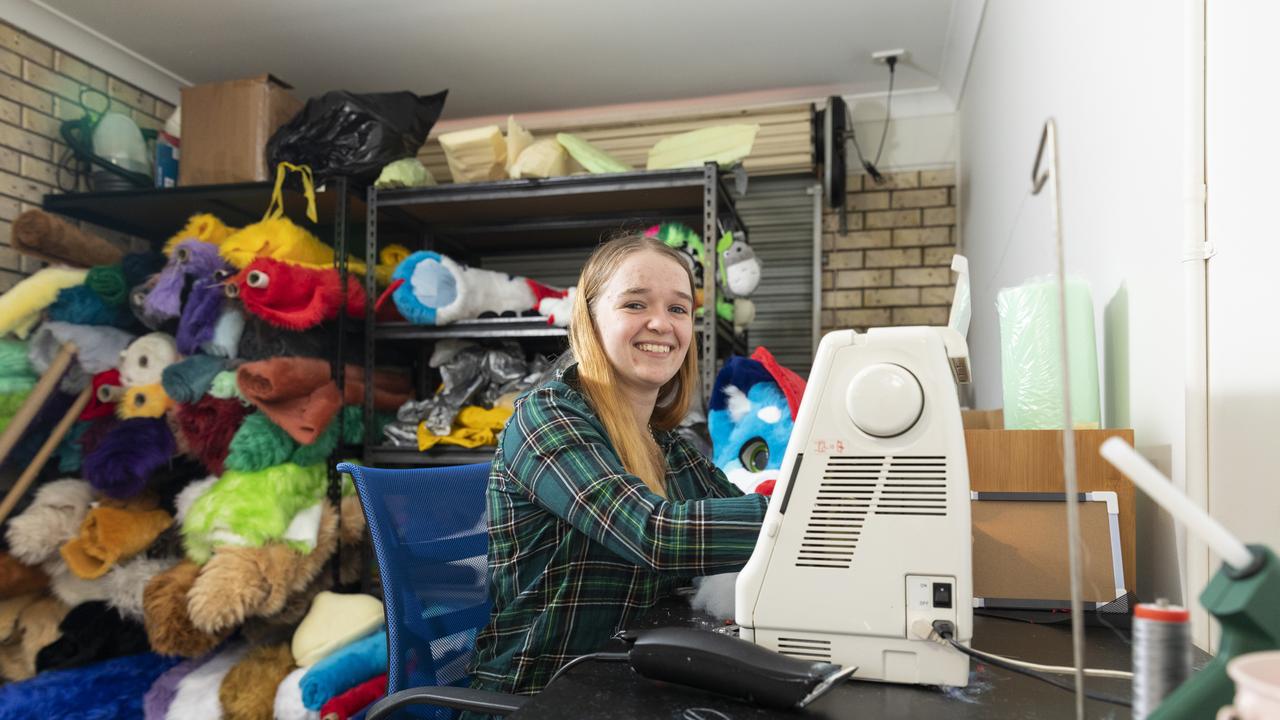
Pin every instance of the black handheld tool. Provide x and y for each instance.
(730, 666)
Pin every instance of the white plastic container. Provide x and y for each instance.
(1257, 678)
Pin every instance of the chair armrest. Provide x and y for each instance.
(449, 697)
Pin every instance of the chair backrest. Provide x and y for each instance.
(430, 536)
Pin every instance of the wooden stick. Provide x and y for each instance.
(41, 392)
(59, 432)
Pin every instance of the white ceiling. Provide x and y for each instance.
(503, 56)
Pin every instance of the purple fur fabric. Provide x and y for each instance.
(191, 258)
(121, 464)
(155, 704)
(102, 691)
(200, 314)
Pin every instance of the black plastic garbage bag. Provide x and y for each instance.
(342, 133)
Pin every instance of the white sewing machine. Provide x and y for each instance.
(868, 530)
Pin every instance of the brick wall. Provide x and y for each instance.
(893, 266)
(39, 88)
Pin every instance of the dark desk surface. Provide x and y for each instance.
(612, 690)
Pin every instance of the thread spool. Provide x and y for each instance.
(1161, 653)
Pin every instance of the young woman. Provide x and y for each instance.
(596, 508)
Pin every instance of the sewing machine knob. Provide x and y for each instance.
(884, 400)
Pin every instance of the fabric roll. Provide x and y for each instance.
(350, 703)
(102, 691)
(251, 508)
(335, 621)
(109, 535)
(126, 457)
(164, 604)
(227, 330)
(209, 425)
(90, 633)
(348, 667)
(288, 705)
(144, 361)
(200, 314)
(188, 380)
(21, 305)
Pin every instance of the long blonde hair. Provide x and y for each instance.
(639, 454)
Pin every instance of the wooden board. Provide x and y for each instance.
(1031, 461)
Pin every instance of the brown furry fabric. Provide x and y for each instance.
(28, 624)
(52, 239)
(243, 582)
(19, 579)
(248, 691)
(164, 606)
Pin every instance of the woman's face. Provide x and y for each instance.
(645, 318)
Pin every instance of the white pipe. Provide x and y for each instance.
(1160, 489)
(1196, 333)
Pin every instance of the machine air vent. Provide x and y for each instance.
(844, 498)
(808, 649)
(914, 486)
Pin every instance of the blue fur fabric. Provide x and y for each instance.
(750, 423)
(345, 669)
(80, 305)
(102, 691)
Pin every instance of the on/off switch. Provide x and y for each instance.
(942, 595)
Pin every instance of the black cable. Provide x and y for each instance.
(870, 167)
(1069, 687)
(888, 107)
(603, 656)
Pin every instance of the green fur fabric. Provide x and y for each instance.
(224, 386)
(250, 508)
(109, 283)
(260, 443)
(16, 374)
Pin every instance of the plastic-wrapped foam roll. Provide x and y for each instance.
(1031, 362)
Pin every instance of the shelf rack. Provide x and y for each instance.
(472, 220)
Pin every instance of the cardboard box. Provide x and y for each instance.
(225, 128)
(1031, 461)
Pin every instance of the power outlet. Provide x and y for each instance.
(882, 57)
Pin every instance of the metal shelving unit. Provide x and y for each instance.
(472, 220)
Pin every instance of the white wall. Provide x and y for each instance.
(1242, 148)
(1110, 73)
(921, 134)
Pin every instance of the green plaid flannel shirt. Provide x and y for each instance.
(578, 548)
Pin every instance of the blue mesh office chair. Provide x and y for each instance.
(431, 540)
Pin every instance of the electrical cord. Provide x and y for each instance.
(870, 167)
(944, 635)
(603, 656)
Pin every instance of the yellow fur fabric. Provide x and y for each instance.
(282, 239)
(109, 535)
(278, 238)
(21, 306)
(204, 227)
(143, 401)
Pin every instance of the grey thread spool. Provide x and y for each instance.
(1161, 654)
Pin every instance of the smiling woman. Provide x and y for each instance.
(596, 508)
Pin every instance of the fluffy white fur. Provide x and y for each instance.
(197, 696)
(289, 699)
(68, 587)
(143, 362)
(52, 519)
(98, 349)
(124, 584)
(189, 494)
(715, 595)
